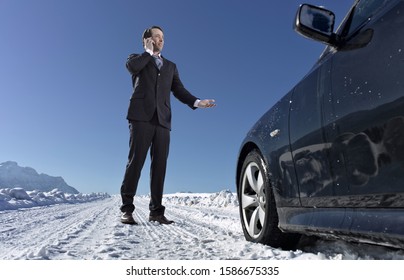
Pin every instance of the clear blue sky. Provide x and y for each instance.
(65, 90)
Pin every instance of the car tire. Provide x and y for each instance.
(258, 212)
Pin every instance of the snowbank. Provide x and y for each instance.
(16, 198)
(224, 198)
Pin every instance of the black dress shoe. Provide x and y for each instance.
(127, 218)
(161, 219)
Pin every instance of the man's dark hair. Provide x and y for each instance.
(147, 33)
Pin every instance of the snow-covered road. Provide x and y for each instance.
(92, 230)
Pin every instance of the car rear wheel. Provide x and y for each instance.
(259, 217)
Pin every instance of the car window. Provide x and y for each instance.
(363, 11)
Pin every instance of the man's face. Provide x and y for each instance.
(158, 39)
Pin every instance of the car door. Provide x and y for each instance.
(364, 111)
(308, 144)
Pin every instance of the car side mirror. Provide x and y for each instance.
(316, 23)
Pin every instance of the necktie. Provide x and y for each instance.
(159, 61)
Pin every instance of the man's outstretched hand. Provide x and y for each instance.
(206, 103)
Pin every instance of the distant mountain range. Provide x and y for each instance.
(12, 176)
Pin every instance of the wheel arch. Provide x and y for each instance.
(245, 150)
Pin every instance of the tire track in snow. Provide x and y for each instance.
(195, 234)
(147, 239)
(86, 236)
(46, 232)
(93, 231)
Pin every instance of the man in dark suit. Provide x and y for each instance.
(149, 116)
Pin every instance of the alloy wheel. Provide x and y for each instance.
(253, 200)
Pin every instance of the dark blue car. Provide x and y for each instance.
(328, 158)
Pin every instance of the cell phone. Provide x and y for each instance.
(147, 33)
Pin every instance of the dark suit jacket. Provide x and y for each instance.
(152, 88)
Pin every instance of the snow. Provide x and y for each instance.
(206, 234)
(17, 198)
(58, 226)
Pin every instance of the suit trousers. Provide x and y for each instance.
(144, 136)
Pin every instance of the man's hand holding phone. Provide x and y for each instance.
(148, 45)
